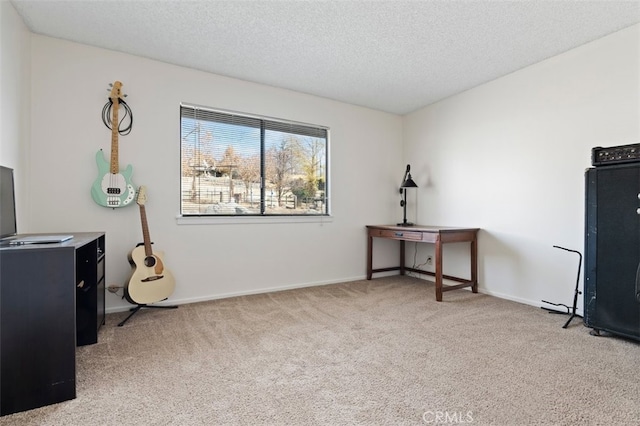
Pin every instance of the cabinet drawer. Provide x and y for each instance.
(397, 235)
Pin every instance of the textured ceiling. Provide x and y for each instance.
(394, 56)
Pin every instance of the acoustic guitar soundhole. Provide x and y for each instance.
(150, 261)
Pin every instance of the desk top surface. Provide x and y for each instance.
(424, 228)
(79, 239)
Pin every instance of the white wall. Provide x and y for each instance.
(69, 88)
(509, 157)
(15, 89)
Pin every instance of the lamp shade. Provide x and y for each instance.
(408, 182)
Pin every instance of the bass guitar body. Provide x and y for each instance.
(112, 189)
(150, 281)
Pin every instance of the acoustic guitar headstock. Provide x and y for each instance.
(141, 198)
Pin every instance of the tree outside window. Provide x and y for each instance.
(234, 164)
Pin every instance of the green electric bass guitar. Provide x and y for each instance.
(113, 187)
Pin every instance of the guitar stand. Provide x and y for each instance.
(137, 308)
(570, 311)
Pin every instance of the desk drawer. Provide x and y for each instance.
(397, 235)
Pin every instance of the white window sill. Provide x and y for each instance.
(234, 220)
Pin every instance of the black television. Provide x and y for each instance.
(8, 227)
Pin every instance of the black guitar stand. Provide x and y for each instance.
(139, 306)
(570, 311)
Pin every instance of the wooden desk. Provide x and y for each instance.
(437, 235)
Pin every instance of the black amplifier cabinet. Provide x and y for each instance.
(612, 250)
(615, 155)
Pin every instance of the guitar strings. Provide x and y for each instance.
(106, 116)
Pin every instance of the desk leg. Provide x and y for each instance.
(438, 273)
(401, 257)
(369, 256)
(474, 265)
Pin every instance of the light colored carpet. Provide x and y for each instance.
(380, 352)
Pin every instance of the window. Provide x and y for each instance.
(236, 164)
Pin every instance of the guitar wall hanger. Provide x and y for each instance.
(113, 187)
(108, 107)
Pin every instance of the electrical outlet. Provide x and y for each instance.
(429, 260)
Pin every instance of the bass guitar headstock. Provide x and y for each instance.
(115, 91)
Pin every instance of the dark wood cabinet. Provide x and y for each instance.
(44, 289)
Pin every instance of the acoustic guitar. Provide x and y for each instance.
(113, 188)
(150, 281)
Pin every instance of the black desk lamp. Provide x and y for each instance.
(407, 182)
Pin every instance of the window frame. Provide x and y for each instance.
(323, 132)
